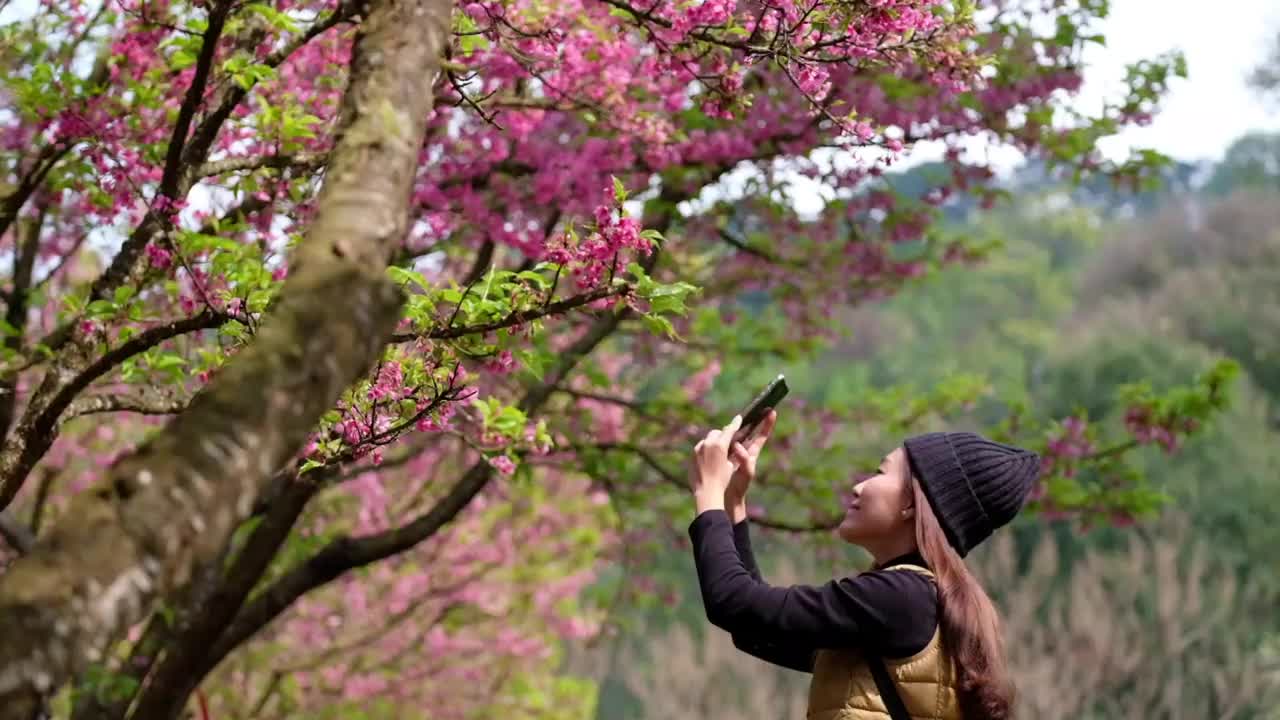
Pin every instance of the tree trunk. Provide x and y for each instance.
(173, 503)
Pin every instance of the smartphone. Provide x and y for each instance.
(758, 408)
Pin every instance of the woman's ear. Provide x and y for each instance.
(909, 512)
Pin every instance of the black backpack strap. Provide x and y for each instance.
(884, 684)
(888, 691)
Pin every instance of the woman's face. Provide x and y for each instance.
(879, 507)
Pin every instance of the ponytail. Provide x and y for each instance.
(970, 625)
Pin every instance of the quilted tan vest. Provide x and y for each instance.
(844, 689)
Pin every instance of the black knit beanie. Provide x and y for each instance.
(974, 485)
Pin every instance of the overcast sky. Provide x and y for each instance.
(1222, 41)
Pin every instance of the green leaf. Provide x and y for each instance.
(668, 305)
(660, 326)
(470, 43)
(182, 59)
(309, 465)
(534, 362)
(101, 308)
(167, 361)
(278, 20)
(534, 277)
(405, 276)
(293, 125)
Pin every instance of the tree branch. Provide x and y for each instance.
(171, 179)
(172, 680)
(193, 153)
(203, 137)
(281, 503)
(42, 498)
(170, 506)
(752, 251)
(24, 262)
(19, 537)
(301, 161)
(174, 182)
(156, 636)
(631, 405)
(481, 263)
(11, 204)
(37, 431)
(671, 478)
(518, 317)
(122, 403)
(57, 337)
(94, 706)
(347, 553)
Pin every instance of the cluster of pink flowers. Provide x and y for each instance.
(440, 420)
(160, 258)
(1147, 428)
(687, 16)
(389, 383)
(1064, 450)
(502, 363)
(503, 464)
(614, 236)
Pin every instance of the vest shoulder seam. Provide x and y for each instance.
(918, 569)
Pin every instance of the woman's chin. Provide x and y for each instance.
(848, 530)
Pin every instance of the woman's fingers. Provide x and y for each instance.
(720, 438)
(763, 431)
(732, 427)
(741, 455)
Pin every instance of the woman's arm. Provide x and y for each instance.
(790, 656)
(862, 611)
(742, 542)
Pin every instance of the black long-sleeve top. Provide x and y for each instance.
(891, 613)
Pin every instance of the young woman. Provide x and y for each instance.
(918, 620)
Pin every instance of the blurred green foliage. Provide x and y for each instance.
(1086, 292)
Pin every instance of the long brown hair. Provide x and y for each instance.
(970, 624)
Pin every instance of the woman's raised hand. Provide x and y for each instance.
(711, 468)
(746, 456)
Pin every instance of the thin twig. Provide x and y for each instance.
(516, 317)
(96, 404)
(298, 161)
